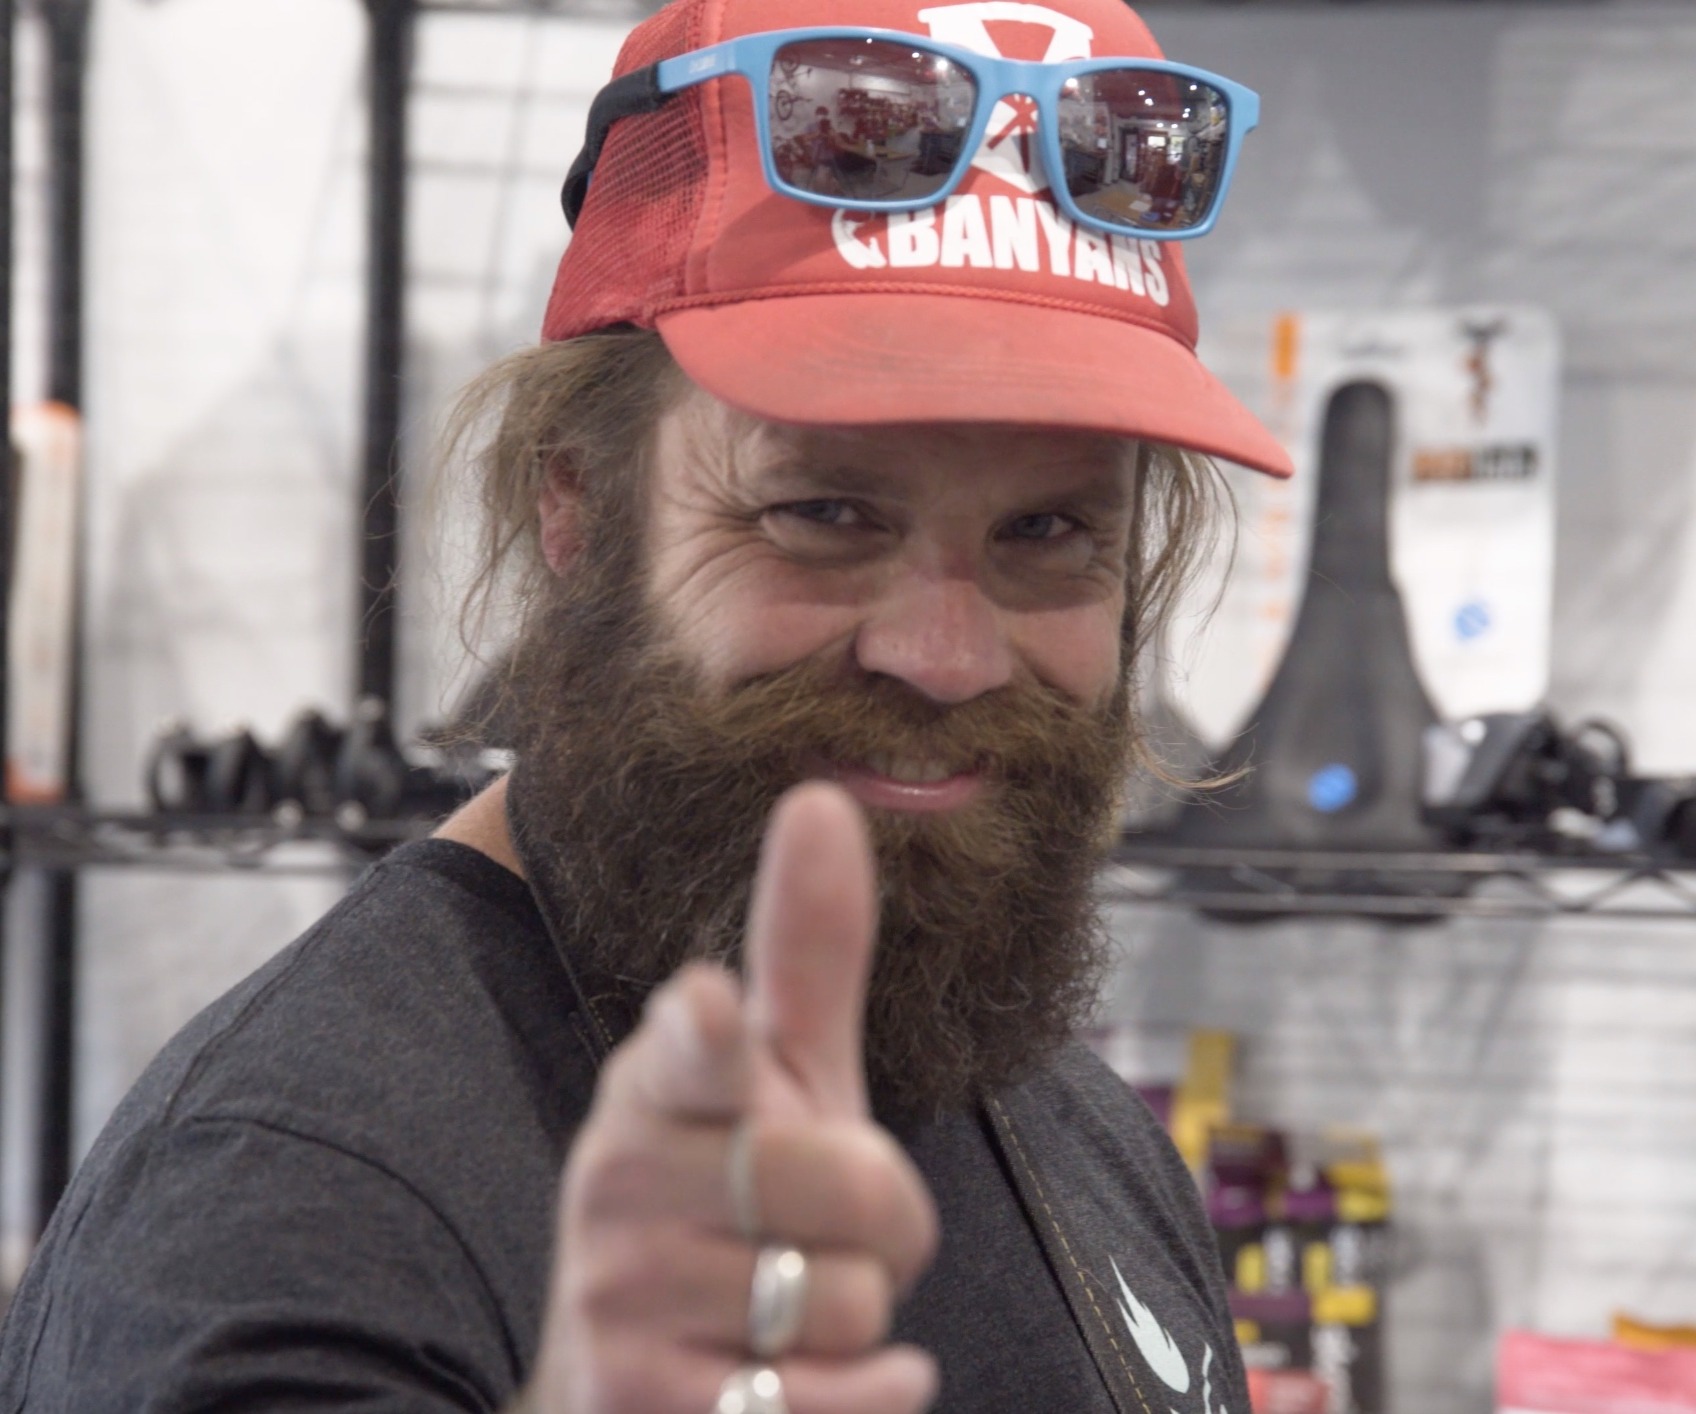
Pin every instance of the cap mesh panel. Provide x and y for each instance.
(632, 238)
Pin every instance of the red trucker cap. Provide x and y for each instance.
(993, 307)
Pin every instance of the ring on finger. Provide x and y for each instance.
(739, 1181)
(777, 1300)
(752, 1389)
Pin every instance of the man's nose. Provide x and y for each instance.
(939, 634)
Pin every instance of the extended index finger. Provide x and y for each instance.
(811, 931)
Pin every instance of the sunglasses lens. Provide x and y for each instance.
(1144, 150)
(867, 119)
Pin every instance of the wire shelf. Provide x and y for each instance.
(1246, 884)
(64, 837)
(1254, 884)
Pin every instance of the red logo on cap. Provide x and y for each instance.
(1025, 232)
(1026, 32)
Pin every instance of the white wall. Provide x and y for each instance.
(1409, 153)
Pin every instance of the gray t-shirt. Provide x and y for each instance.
(335, 1190)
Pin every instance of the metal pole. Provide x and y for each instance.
(8, 24)
(379, 550)
(67, 24)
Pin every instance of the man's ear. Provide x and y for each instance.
(559, 508)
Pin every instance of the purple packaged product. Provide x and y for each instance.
(1247, 1155)
(1311, 1206)
(1275, 1331)
(1306, 1214)
(1238, 1215)
(1234, 1205)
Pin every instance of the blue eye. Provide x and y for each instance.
(829, 512)
(1044, 526)
(821, 512)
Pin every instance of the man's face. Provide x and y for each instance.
(931, 616)
(954, 560)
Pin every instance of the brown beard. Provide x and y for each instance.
(639, 802)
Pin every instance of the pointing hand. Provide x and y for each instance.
(732, 1107)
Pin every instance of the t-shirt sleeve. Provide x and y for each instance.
(232, 1263)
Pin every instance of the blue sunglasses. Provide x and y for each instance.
(876, 120)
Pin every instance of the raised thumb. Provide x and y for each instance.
(811, 932)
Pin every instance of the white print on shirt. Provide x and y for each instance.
(1207, 1385)
(1160, 1351)
(1008, 151)
(1002, 233)
(1158, 1348)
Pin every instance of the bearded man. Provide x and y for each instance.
(841, 498)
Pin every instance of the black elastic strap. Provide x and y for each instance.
(637, 92)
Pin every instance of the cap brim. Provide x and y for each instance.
(875, 357)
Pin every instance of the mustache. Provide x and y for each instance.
(813, 711)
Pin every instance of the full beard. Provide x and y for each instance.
(640, 799)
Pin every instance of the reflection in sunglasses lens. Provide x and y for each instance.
(1144, 150)
(867, 119)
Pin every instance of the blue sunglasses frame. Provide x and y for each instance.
(751, 56)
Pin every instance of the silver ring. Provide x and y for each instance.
(739, 1180)
(777, 1301)
(753, 1389)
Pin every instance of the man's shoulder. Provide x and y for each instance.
(429, 997)
(319, 1145)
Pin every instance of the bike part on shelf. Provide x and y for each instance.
(1662, 811)
(1329, 759)
(371, 774)
(176, 771)
(1516, 779)
(319, 771)
(303, 768)
(376, 779)
(1680, 835)
(238, 776)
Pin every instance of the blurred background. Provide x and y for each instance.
(1516, 1079)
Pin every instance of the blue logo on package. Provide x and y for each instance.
(1472, 620)
(1331, 788)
